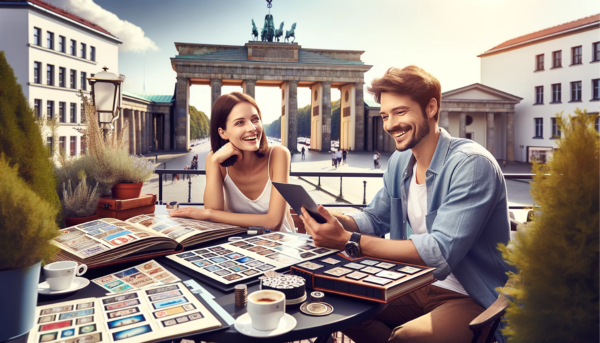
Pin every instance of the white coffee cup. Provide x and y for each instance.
(60, 275)
(266, 308)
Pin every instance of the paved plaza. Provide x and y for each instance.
(328, 193)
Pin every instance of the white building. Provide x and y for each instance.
(554, 70)
(52, 53)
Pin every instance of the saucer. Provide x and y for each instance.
(243, 324)
(78, 283)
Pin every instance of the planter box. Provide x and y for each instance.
(123, 209)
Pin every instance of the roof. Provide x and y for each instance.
(495, 94)
(150, 97)
(63, 13)
(371, 103)
(546, 33)
(237, 55)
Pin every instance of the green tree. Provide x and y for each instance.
(335, 120)
(555, 296)
(21, 140)
(199, 124)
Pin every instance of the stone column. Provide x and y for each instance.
(462, 125)
(138, 132)
(326, 117)
(292, 143)
(444, 121)
(150, 131)
(490, 133)
(370, 132)
(510, 137)
(144, 132)
(248, 86)
(215, 90)
(131, 131)
(182, 110)
(167, 132)
(359, 126)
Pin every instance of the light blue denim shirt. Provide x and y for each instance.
(467, 214)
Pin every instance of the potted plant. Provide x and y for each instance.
(79, 205)
(28, 224)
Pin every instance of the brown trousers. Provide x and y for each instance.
(429, 314)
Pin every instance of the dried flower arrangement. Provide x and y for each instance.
(81, 202)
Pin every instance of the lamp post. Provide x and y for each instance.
(106, 97)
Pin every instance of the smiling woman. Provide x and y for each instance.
(240, 168)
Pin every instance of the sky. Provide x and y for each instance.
(443, 37)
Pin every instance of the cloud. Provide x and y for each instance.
(133, 37)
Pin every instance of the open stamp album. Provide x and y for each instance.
(236, 261)
(144, 316)
(147, 274)
(109, 240)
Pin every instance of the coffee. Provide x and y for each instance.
(265, 300)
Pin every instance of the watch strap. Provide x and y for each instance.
(355, 237)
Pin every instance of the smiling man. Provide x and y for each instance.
(444, 205)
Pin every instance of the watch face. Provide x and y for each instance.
(352, 249)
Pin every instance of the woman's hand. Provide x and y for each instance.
(225, 152)
(191, 212)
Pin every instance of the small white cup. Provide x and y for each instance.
(266, 308)
(60, 275)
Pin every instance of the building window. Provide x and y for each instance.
(556, 93)
(576, 91)
(50, 109)
(83, 50)
(62, 42)
(596, 52)
(576, 55)
(50, 145)
(73, 47)
(50, 75)
(37, 106)
(83, 79)
(37, 39)
(73, 145)
(596, 89)
(73, 113)
(50, 40)
(61, 111)
(82, 148)
(539, 95)
(93, 53)
(62, 143)
(557, 59)
(539, 62)
(73, 79)
(37, 69)
(82, 114)
(61, 76)
(555, 129)
(539, 127)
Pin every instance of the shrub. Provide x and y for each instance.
(557, 255)
(27, 222)
(81, 202)
(20, 138)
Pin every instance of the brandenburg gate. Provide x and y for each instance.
(284, 65)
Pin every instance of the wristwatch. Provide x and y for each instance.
(353, 246)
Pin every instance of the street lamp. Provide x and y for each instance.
(106, 97)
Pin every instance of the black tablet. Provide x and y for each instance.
(297, 197)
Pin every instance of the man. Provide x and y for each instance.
(375, 160)
(338, 156)
(452, 194)
(302, 153)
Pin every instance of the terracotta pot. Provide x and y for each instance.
(80, 220)
(127, 190)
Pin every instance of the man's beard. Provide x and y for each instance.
(421, 131)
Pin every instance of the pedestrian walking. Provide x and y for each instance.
(344, 153)
(333, 160)
(303, 150)
(338, 157)
(376, 157)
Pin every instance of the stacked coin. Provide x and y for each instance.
(241, 295)
(292, 286)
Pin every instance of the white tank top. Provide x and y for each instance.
(237, 202)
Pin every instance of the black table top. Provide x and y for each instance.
(347, 311)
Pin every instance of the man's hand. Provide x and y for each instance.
(328, 235)
(190, 212)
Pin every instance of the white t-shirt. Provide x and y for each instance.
(417, 209)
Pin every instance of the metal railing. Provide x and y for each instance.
(163, 174)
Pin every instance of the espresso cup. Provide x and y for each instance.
(60, 275)
(266, 307)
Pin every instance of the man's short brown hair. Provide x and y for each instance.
(412, 81)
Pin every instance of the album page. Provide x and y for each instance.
(143, 275)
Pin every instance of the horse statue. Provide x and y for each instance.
(254, 31)
(279, 32)
(268, 31)
(290, 33)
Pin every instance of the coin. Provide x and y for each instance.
(316, 308)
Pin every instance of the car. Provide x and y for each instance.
(307, 142)
(301, 140)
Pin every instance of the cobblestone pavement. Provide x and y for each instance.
(352, 187)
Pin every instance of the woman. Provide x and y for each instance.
(240, 168)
